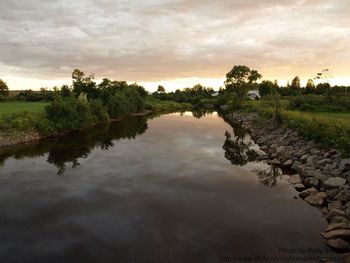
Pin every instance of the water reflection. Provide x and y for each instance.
(239, 148)
(270, 176)
(69, 149)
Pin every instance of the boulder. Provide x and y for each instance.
(347, 212)
(322, 195)
(339, 233)
(343, 195)
(330, 166)
(336, 226)
(338, 244)
(296, 165)
(339, 219)
(299, 187)
(314, 200)
(308, 192)
(295, 179)
(323, 162)
(335, 205)
(312, 181)
(288, 163)
(335, 212)
(334, 182)
(344, 165)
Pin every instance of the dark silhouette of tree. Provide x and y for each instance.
(310, 87)
(4, 90)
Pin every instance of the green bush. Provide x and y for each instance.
(320, 103)
(98, 110)
(69, 115)
(20, 121)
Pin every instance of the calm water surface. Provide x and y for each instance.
(156, 190)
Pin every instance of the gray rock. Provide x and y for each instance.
(333, 182)
(330, 167)
(335, 205)
(295, 179)
(296, 165)
(312, 181)
(339, 219)
(339, 233)
(322, 195)
(274, 146)
(280, 149)
(308, 192)
(337, 226)
(345, 165)
(332, 192)
(335, 212)
(338, 244)
(323, 162)
(314, 200)
(299, 187)
(304, 157)
(347, 212)
(288, 163)
(343, 195)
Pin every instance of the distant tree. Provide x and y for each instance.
(4, 90)
(239, 80)
(323, 89)
(84, 85)
(296, 83)
(266, 88)
(310, 87)
(65, 91)
(161, 89)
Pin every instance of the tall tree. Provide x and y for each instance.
(310, 87)
(85, 85)
(296, 83)
(239, 80)
(4, 90)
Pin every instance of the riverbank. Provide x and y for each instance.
(322, 176)
(16, 137)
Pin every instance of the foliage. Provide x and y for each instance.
(4, 90)
(266, 88)
(316, 103)
(18, 121)
(326, 130)
(192, 95)
(239, 80)
(157, 105)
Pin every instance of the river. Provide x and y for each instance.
(171, 188)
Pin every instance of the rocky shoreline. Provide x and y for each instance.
(322, 176)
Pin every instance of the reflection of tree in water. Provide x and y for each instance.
(269, 177)
(201, 113)
(237, 150)
(70, 148)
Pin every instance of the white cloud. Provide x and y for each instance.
(148, 40)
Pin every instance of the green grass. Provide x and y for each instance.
(15, 107)
(331, 129)
(157, 105)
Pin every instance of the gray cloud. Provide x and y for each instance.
(149, 40)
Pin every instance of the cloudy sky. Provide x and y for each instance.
(176, 43)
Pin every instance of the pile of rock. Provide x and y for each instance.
(321, 175)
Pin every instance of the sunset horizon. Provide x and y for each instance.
(172, 43)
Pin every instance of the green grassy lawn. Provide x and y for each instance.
(13, 107)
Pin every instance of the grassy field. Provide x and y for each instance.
(11, 107)
(329, 128)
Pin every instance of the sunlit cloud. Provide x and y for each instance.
(174, 43)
